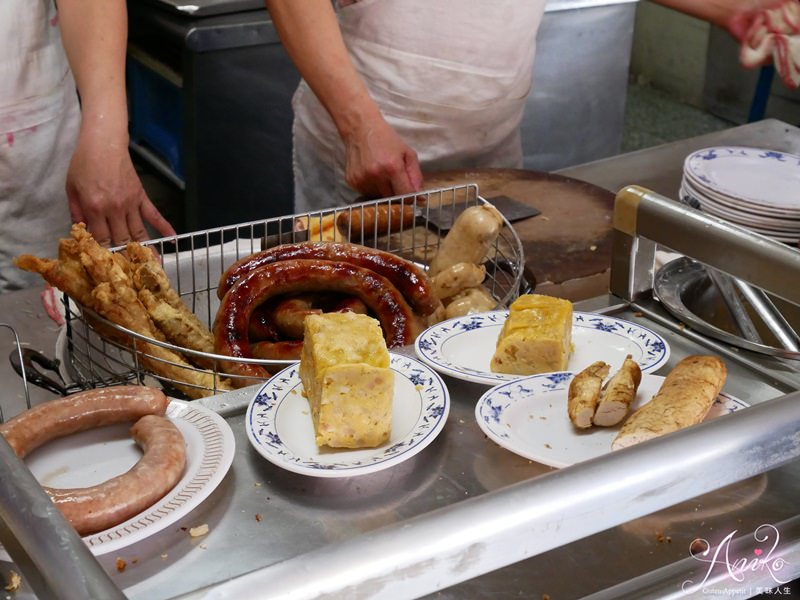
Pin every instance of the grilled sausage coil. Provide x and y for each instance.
(398, 320)
(409, 279)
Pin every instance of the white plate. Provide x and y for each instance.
(762, 177)
(280, 428)
(463, 347)
(90, 457)
(529, 418)
(780, 229)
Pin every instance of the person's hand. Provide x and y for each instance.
(106, 193)
(379, 163)
(744, 23)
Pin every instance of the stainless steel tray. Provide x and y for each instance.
(465, 518)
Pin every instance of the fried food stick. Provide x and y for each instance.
(65, 273)
(102, 281)
(118, 301)
(179, 324)
(158, 359)
(684, 398)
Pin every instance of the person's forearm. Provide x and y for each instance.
(94, 34)
(717, 12)
(310, 34)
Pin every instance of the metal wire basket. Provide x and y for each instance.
(413, 228)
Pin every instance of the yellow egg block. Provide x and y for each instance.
(344, 367)
(536, 337)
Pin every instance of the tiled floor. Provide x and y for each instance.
(653, 117)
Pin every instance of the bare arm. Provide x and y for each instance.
(379, 163)
(714, 11)
(103, 188)
(733, 15)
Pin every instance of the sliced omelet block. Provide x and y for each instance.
(344, 367)
(536, 337)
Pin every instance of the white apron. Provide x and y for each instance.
(451, 76)
(39, 122)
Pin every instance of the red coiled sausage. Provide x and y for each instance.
(399, 323)
(409, 279)
(290, 313)
(262, 327)
(284, 350)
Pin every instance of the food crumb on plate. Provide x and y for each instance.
(258, 517)
(14, 582)
(164, 556)
(121, 564)
(199, 531)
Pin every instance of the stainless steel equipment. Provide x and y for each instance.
(210, 90)
(683, 286)
(468, 519)
(576, 107)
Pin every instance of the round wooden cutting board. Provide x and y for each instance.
(568, 246)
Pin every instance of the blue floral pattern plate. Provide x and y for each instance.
(765, 180)
(463, 347)
(280, 428)
(529, 417)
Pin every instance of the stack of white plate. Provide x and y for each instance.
(755, 188)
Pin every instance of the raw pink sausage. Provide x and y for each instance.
(116, 500)
(79, 412)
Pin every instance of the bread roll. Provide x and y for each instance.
(684, 399)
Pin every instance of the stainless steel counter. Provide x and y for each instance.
(639, 549)
(660, 168)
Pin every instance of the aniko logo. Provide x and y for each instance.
(737, 567)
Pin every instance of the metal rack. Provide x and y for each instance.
(195, 261)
